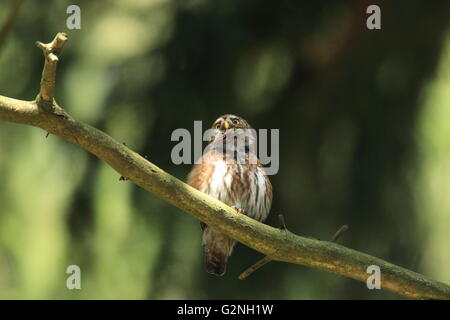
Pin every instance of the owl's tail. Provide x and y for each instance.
(217, 249)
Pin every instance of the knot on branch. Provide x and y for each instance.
(52, 50)
(51, 53)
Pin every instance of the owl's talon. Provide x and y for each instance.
(240, 210)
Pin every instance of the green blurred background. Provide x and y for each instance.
(364, 119)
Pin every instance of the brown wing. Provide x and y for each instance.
(269, 195)
(201, 173)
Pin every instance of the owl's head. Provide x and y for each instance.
(231, 134)
(230, 121)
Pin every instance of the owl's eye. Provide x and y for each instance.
(236, 121)
(217, 125)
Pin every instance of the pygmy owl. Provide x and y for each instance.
(234, 176)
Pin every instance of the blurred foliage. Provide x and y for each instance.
(364, 141)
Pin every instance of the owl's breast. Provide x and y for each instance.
(242, 186)
(221, 182)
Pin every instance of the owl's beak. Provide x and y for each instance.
(226, 125)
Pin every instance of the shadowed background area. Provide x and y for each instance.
(364, 140)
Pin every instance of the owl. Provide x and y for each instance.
(232, 173)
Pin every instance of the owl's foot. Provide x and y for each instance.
(240, 210)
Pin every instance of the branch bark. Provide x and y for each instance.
(51, 53)
(276, 244)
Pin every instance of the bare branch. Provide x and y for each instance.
(276, 244)
(282, 222)
(254, 267)
(51, 52)
(266, 259)
(339, 233)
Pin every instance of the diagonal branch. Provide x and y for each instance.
(262, 262)
(276, 244)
